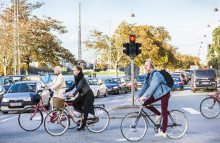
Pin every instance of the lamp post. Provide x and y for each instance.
(4, 63)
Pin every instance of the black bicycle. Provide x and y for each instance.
(134, 125)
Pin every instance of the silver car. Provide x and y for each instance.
(18, 96)
(98, 87)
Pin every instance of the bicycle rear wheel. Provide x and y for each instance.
(100, 123)
(177, 124)
(134, 126)
(30, 119)
(56, 123)
(210, 108)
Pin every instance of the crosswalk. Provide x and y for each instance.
(10, 117)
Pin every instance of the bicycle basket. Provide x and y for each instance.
(35, 98)
(58, 102)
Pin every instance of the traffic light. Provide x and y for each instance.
(138, 51)
(132, 45)
(126, 50)
(212, 52)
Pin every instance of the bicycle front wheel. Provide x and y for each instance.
(98, 123)
(177, 124)
(56, 123)
(30, 119)
(134, 126)
(210, 108)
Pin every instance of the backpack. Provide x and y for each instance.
(167, 77)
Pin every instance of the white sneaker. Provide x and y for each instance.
(158, 118)
(161, 134)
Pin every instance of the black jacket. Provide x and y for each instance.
(83, 87)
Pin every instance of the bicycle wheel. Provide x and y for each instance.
(177, 124)
(56, 123)
(210, 108)
(134, 126)
(100, 123)
(30, 119)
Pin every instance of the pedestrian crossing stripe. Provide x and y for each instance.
(191, 111)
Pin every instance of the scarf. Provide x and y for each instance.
(78, 78)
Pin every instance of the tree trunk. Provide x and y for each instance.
(116, 70)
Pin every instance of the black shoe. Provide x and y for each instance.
(81, 127)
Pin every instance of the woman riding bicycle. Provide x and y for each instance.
(85, 98)
(154, 89)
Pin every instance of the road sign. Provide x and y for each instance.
(128, 71)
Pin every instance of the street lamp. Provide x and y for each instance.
(4, 63)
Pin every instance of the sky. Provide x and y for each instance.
(186, 20)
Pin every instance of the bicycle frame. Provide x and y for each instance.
(216, 97)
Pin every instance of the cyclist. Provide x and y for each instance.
(154, 89)
(58, 86)
(85, 98)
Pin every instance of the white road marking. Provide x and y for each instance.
(192, 111)
(4, 116)
(121, 140)
(8, 119)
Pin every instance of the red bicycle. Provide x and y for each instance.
(210, 106)
(31, 118)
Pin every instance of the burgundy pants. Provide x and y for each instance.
(164, 106)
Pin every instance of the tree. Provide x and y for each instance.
(36, 39)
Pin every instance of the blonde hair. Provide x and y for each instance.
(151, 62)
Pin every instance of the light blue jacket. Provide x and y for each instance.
(47, 78)
(156, 86)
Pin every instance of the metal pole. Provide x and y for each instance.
(17, 42)
(79, 38)
(15, 52)
(132, 79)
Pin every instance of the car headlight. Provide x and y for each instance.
(28, 99)
(5, 100)
(115, 87)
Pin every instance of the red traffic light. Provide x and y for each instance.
(132, 38)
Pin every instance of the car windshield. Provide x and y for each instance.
(112, 81)
(69, 83)
(92, 81)
(141, 77)
(8, 81)
(23, 87)
(205, 73)
(176, 78)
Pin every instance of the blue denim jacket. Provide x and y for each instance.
(156, 86)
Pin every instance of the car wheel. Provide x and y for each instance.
(98, 94)
(126, 90)
(106, 93)
(119, 91)
(5, 112)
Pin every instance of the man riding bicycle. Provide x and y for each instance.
(154, 89)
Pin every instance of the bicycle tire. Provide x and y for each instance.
(128, 126)
(103, 120)
(54, 125)
(25, 116)
(207, 111)
(177, 124)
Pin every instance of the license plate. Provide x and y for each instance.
(16, 104)
(205, 83)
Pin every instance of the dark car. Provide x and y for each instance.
(204, 79)
(2, 92)
(116, 85)
(69, 83)
(7, 81)
(178, 83)
(140, 80)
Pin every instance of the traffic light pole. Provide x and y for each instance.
(132, 79)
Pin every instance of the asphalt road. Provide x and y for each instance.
(201, 130)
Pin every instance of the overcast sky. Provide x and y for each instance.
(185, 20)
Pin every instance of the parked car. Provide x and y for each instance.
(98, 87)
(2, 92)
(204, 79)
(140, 80)
(128, 81)
(181, 75)
(185, 76)
(178, 83)
(116, 85)
(7, 81)
(18, 96)
(69, 83)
